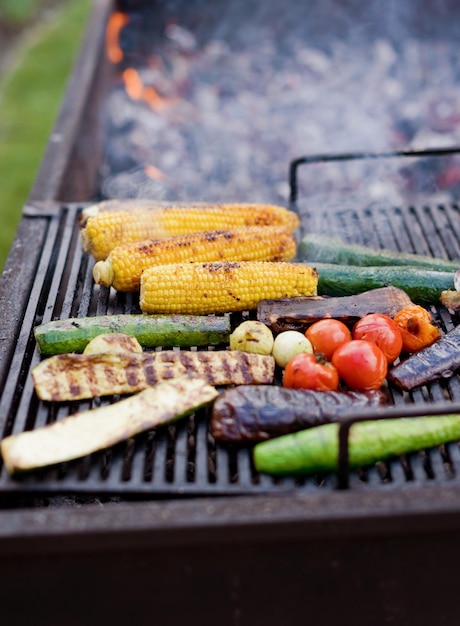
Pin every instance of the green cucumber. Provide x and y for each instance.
(152, 331)
(423, 286)
(317, 449)
(333, 250)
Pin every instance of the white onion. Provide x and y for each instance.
(288, 344)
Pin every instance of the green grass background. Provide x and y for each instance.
(31, 91)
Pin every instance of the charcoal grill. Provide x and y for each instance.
(171, 525)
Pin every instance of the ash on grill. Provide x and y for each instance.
(211, 105)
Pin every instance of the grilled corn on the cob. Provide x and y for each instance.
(105, 230)
(200, 288)
(123, 267)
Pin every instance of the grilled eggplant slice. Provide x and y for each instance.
(256, 413)
(440, 360)
(86, 432)
(77, 376)
(298, 313)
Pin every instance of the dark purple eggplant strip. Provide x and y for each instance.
(440, 360)
(298, 313)
(252, 413)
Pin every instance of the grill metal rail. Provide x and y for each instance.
(357, 156)
(183, 459)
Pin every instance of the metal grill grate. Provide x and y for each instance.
(183, 459)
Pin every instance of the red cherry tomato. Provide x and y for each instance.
(309, 371)
(327, 335)
(381, 330)
(361, 364)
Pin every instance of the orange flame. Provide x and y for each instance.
(136, 90)
(133, 84)
(153, 98)
(115, 24)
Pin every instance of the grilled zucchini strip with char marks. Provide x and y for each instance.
(77, 376)
(88, 431)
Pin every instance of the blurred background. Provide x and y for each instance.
(39, 41)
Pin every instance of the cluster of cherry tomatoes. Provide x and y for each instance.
(330, 353)
(358, 357)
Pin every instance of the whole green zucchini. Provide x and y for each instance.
(152, 331)
(423, 286)
(333, 250)
(317, 449)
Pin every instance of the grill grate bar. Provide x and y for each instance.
(203, 459)
(429, 231)
(19, 361)
(401, 235)
(137, 466)
(181, 454)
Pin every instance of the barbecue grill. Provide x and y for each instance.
(172, 525)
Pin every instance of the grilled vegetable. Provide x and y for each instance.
(104, 230)
(423, 286)
(317, 449)
(327, 335)
(310, 371)
(451, 300)
(86, 432)
(113, 343)
(200, 288)
(361, 364)
(151, 331)
(381, 330)
(416, 326)
(451, 297)
(315, 247)
(258, 412)
(289, 344)
(252, 336)
(76, 376)
(439, 360)
(123, 267)
(297, 313)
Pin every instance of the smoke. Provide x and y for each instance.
(256, 84)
